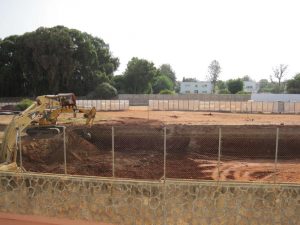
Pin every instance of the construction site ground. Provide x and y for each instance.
(247, 151)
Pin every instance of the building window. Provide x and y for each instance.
(196, 85)
(204, 85)
(187, 92)
(196, 92)
(204, 92)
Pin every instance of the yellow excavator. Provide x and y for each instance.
(39, 119)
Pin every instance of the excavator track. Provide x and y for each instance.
(43, 131)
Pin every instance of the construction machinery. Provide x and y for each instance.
(39, 119)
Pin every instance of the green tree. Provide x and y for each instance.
(103, 91)
(138, 76)
(119, 83)
(166, 69)
(235, 85)
(263, 83)
(221, 86)
(52, 60)
(293, 85)
(214, 69)
(162, 83)
(246, 78)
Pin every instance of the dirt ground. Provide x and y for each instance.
(247, 151)
(17, 219)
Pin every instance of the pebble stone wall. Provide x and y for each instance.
(145, 202)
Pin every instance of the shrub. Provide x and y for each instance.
(103, 91)
(244, 93)
(166, 92)
(224, 91)
(162, 83)
(24, 104)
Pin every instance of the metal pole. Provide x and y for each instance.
(148, 110)
(20, 149)
(219, 151)
(276, 154)
(65, 151)
(17, 144)
(113, 150)
(165, 152)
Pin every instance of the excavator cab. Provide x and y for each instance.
(67, 100)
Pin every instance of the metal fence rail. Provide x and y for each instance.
(225, 106)
(230, 153)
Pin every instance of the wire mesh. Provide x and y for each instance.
(288, 163)
(247, 153)
(42, 152)
(139, 152)
(192, 152)
(89, 150)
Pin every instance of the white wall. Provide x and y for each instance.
(250, 86)
(266, 97)
(199, 87)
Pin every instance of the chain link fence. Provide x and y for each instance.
(138, 152)
(221, 153)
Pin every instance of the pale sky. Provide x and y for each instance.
(247, 37)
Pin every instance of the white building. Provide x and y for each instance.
(199, 87)
(250, 86)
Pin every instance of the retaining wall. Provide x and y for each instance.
(142, 99)
(145, 202)
(225, 106)
(268, 97)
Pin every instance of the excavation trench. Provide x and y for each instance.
(247, 152)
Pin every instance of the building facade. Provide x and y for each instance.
(250, 86)
(199, 87)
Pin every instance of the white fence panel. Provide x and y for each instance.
(104, 105)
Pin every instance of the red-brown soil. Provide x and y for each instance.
(247, 152)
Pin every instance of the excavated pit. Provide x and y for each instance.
(247, 152)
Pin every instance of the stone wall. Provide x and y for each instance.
(145, 202)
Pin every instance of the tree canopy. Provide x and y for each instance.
(235, 85)
(138, 76)
(166, 69)
(162, 83)
(293, 85)
(52, 60)
(214, 69)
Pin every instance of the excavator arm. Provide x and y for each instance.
(44, 112)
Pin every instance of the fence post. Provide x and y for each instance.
(165, 152)
(276, 154)
(65, 151)
(113, 150)
(219, 151)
